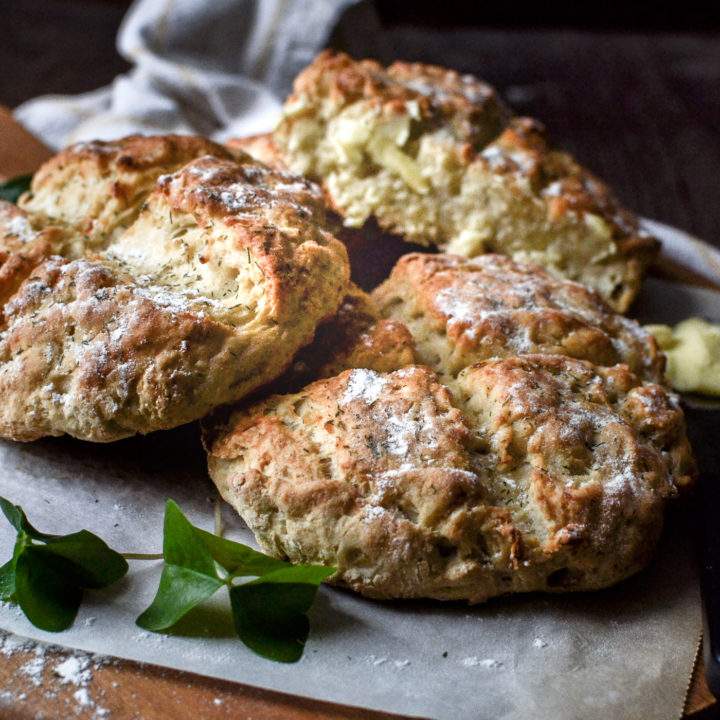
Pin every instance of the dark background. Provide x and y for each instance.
(639, 16)
(634, 94)
(68, 46)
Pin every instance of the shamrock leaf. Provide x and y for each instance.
(7, 581)
(86, 560)
(180, 590)
(189, 575)
(18, 519)
(269, 613)
(42, 591)
(239, 560)
(48, 573)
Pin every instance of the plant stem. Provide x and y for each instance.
(218, 516)
(142, 556)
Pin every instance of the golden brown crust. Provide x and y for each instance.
(523, 148)
(435, 157)
(468, 107)
(97, 188)
(22, 246)
(539, 474)
(463, 311)
(567, 189)
(506, 466)
(207, 294)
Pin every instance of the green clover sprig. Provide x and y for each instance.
(269, 613)
(48, 574)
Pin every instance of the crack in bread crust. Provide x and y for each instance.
(435, 157)
(201, 290)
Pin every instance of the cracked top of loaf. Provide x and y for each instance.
(436, 157)
(148, 280)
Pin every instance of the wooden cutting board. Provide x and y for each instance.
(33, 683)
(20, 151)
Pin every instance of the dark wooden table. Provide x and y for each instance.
(640, 110)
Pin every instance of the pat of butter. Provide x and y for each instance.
(692, 349)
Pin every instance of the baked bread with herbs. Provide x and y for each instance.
(462, 311)
(148, 280)
(500, 465)
(437, 158)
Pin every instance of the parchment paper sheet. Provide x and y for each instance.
(625, 652)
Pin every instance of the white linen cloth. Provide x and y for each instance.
(219, 69)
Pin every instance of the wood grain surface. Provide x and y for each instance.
(20, 151)
(123, 690)
(639, 110)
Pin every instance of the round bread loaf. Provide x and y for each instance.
(436, 157)
(542, 473)
(504, 466)
(197, 288)
(463, 311)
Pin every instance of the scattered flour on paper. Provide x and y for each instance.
(377, 661)
(154, 640)
(490, 663)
